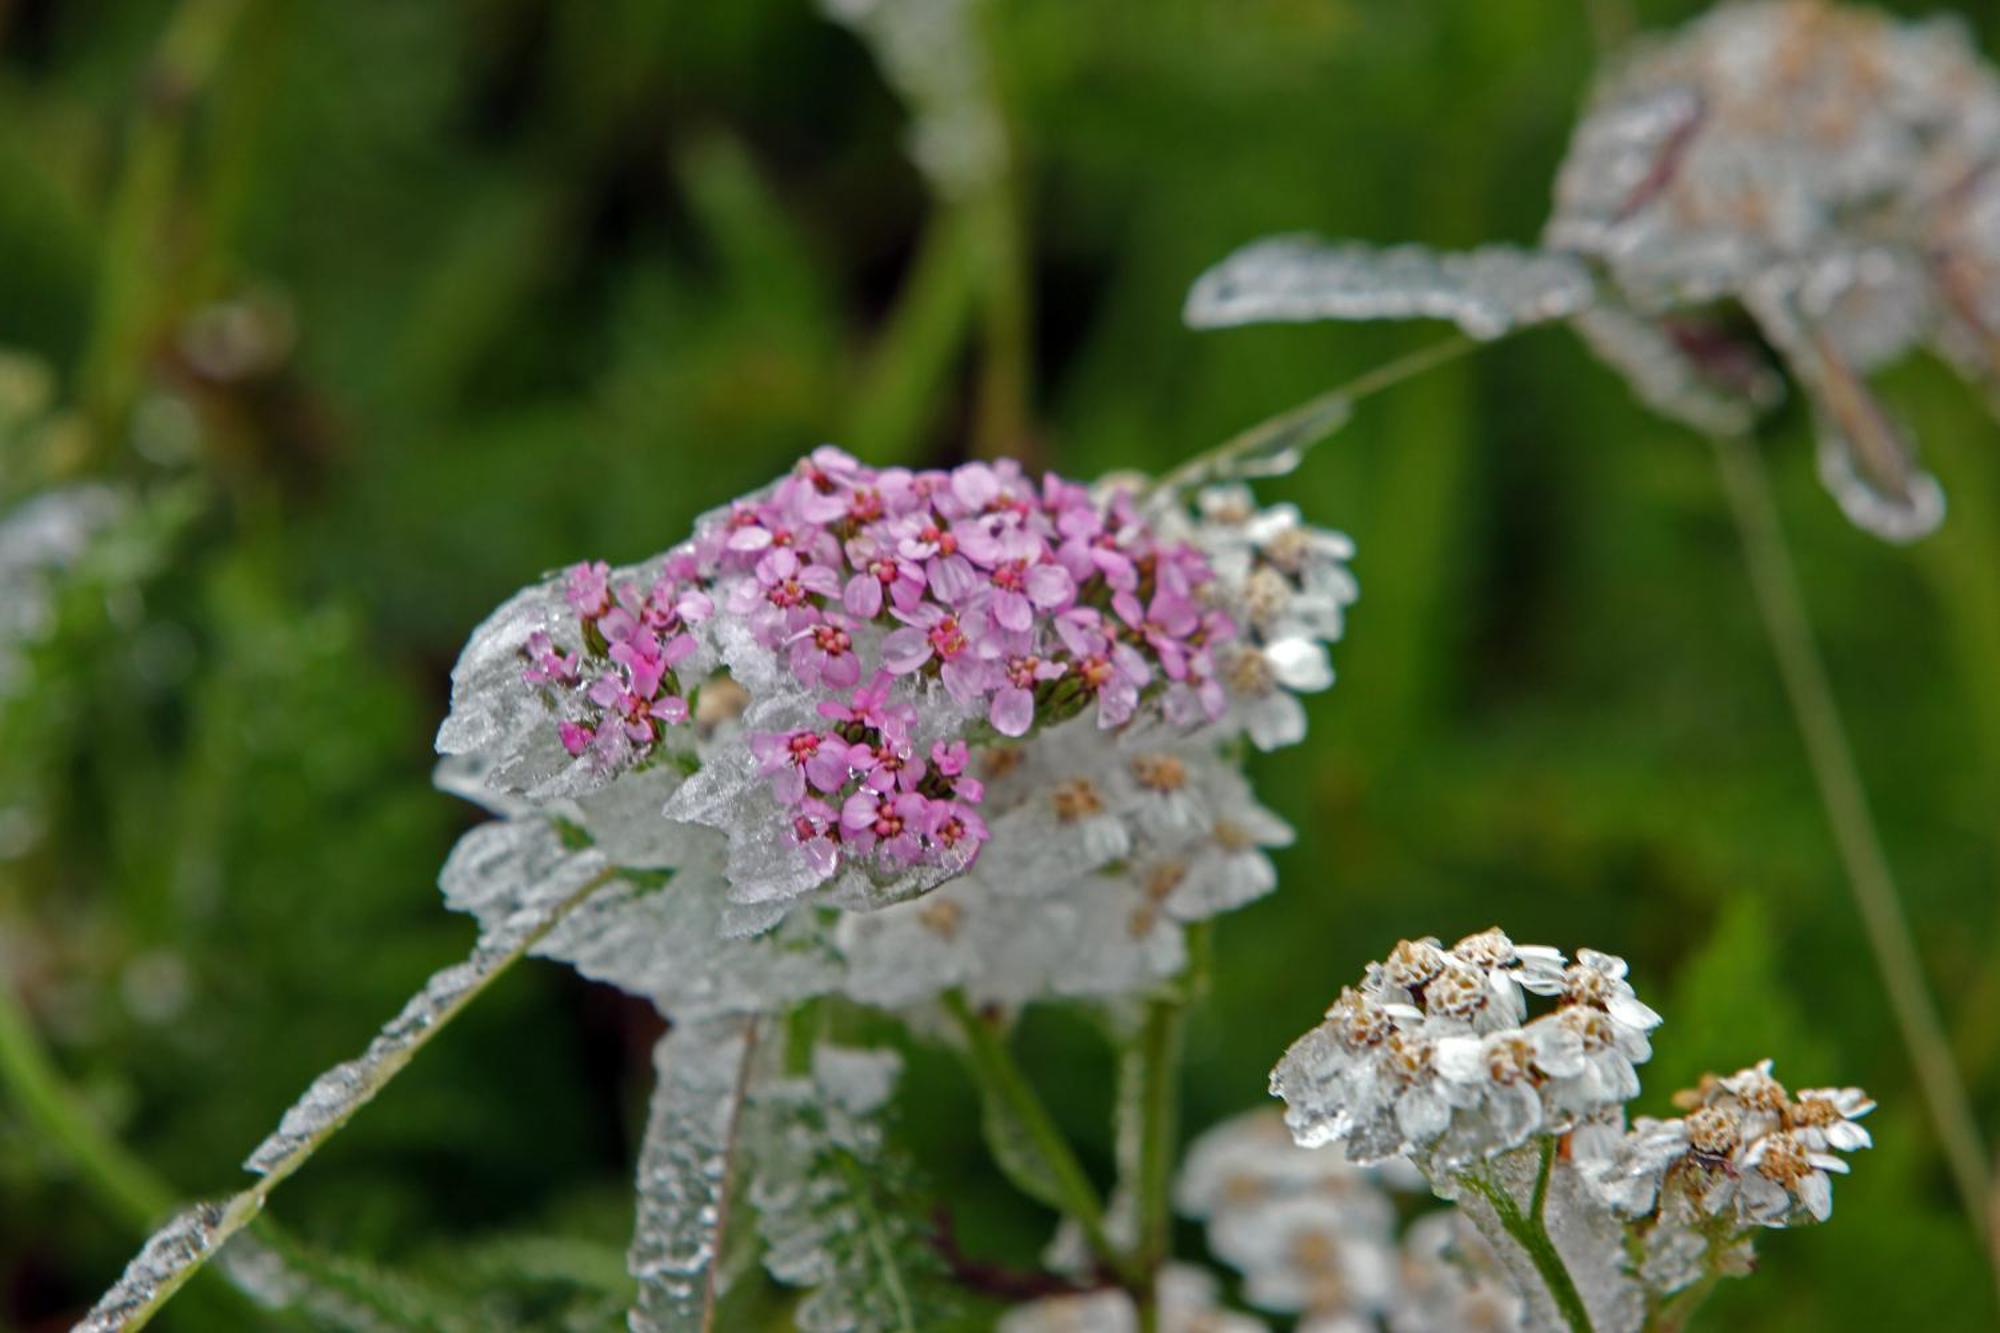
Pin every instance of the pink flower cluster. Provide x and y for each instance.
(637, 638)
(860, 786)
(1028, 602)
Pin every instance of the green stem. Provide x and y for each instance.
(1290, 433)
(1538, 1209)
(1002, 1080)
(1532, 1234)
(242, 1209)
(1159, 1057)
(1816, 712)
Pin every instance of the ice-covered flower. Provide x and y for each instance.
(1434, 1057)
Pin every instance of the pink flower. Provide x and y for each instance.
(893, 826)
(870, 708)
(1165, 625)
(547, 664)
(885, 766)
(816, 825)
(930, 633)
(880, 571)
(1013, 709)
(955, 831)
(575, 737)
(1021, 589)
(587, 588)
(793, 758)
(822, 653)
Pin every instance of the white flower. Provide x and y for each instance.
(1824, 1119)
(1599, 979)
(1780, 1175)
(1186, 1297)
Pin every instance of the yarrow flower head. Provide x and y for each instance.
(1825, 169)
(1432, 1061)
(1434, 1057)
(993, 718)
(1826, 177)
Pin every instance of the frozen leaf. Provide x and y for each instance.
(1487, 292)
(1865, 457)
(828, 1193)
(517, 873)
(688, 1173)
(496, 716)
(174, 1251)
(1683, 368)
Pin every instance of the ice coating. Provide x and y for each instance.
(1829, 170)
(824, 1194)
(687, 1169)
(1486, 292)
(518, 876)
(176, 1247)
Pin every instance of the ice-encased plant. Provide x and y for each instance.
(894, 736)
(1434, 1060)
(1825, 177)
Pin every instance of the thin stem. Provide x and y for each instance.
(1159, 1057)
(1281, 439)
(711, 1295)
(1816, 712)
(243, 1208)
(1002, 1079)
(1538, 1209)
(1529, 1231)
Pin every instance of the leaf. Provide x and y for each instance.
(530, 882)
(687, 1169)
(1488, 292)
(834, 1202)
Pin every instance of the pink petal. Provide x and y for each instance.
(904, 650)
(1013, 712)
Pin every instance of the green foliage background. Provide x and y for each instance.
(563, 275)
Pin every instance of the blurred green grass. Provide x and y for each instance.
(563, 276)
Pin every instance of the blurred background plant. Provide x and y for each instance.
(368, 313)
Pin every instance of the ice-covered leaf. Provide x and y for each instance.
(169, 1256)
(1683, 368)
(688, 1172)
(1487, 292)
(524, 881)
(1865, 457)
(830, 1198)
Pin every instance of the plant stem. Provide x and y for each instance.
(1159, 1067)
(921, 341)
(1816, 712)
(1532, 1234)
(242, 1209)
(1290, 433)
(1002, 1079)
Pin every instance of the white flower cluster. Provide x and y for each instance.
(1433, 1060)
(1316, 1236)
(1185, 1298)
(1433, 1056)
(1747, 1154)
(1835, 173)
(1100, 843)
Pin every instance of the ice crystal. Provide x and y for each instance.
(1487, 292)
(173, 1249)
(517, 876)
(827, 1197)
(687, 1172)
